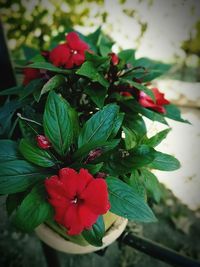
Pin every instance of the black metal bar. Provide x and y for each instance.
(6, 70)
(157, 251)
(50, 256)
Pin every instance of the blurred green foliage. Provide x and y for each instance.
(34, 22)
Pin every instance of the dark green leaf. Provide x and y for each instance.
(157, 138)
(153, 68)
(174, 113)
(8, 150)
(99, 126)
(105, 146)
(18, 175)
(30, 88)
(33, 210)
(137, 183)
(97, 94)
(126, 203)
(12, 91)
(54, 83)
(117, 123)
(164, 162)
(47, 66)
(13, 201)
(95, 235)
(89, 70)
(152, 184)
(130, 138)
(58, 125)
(123, 162)
(152, 115)
(35, 155)
(139, 86)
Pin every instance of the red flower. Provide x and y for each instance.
(31, 74)
(78, 199)
(114, 58)
(43, 142)
(69, 54)
(160, 100)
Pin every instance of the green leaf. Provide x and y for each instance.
(128, 56)
(30, 88)
(90, 71)
(97, 60)
(105, 146)
(105, 44)
(152, 184)
(35, 154)
(139, 86)
(157, 138)
(123, 162)
(153, 69)
(54, 83)
(13, 201)
(58, 124)
(95, 235)
(130, 138)
(8, 150)
(93, 168)
(164, 162)
(117, 123)
(150, 114)
(97, 94)
(33, 210)
(126, 203)
(136, 124)
(137, 183)
(19, 175)
(99, 126)
(172, 112)
(47, 66)
(12, 91)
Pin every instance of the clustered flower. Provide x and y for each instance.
(69, 54)
(78, 199)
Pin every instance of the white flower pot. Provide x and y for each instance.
(114, 224)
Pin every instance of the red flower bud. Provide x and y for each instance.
(93, 155)
(43, 142)
(114, 58)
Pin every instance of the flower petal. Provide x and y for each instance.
(54, 187)
(75, 43)
(59, 55)
(72, 220)
(84, 178)
(95, 196)
(88, 218)
(69, 178)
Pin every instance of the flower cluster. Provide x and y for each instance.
(82, 137)
(78, 199)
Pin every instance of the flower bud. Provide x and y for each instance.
(43, 142)
(114, 59)
(93, 155)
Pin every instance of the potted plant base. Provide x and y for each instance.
(114, 226)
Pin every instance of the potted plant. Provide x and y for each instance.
(76, 163)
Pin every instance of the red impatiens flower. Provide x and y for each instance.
(114, 59)
(160, 101)
(31, 74)
(43, 142)
(69, 54)
(78, 199)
